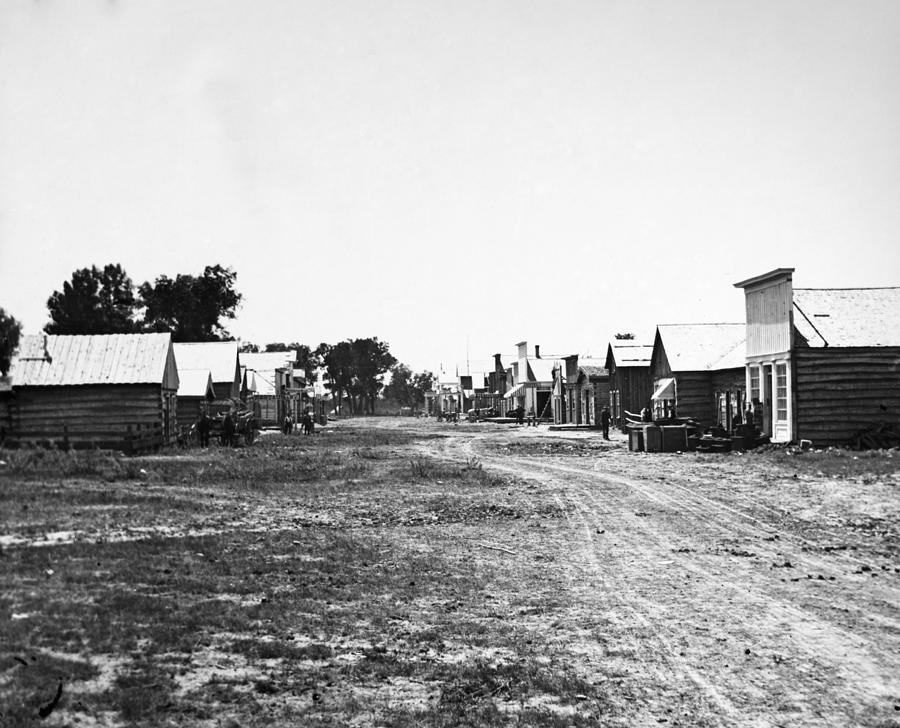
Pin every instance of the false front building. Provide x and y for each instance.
(822, 364)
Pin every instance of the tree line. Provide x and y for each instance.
(192, 307)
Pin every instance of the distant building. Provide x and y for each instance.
(580, 390)
(219, 358)
(274, 393)
(630, 388)
(529, 383)
(822, 364)
(109, 391)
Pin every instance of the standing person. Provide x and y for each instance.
(203, 429)
(228, 430)
(287, 426)
(532, 420)
(604, 422)
(647, 414)
(520, 415)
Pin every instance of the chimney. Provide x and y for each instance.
(498, 365)
(522, 346)
(537, 351)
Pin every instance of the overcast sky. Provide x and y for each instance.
(437, 173)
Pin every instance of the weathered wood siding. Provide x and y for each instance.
(634, 387)
(190, 409)
(694, 397)
(769, 312)
(840, 391)
(130, 417)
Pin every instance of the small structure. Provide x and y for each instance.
(530, 383)
(630, 387)
(697, 371)
(822, 364)
(195, 394)
(219, 358)
(581, 390)
(275, 395)
(113, 391)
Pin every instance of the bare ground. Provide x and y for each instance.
(461, 574)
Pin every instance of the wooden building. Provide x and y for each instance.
(274, 396)
(822, 364)
(195, 394)
(697, 371)
(530, 383)
(630, 387)
(220, 358)
(112, 391)
(580, 390)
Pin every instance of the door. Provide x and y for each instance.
(767, 399)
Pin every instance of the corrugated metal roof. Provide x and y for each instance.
(100, 359)
(219, 358)
(848, 316)
(195, 383)
(704, 347)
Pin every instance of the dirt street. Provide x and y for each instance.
(771, 596)
(401, 572)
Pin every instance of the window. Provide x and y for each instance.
(754, 383)
(781, 392)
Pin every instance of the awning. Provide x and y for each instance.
(665, 390)
(514, 391)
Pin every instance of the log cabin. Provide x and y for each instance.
(195, 394)
(822, 364)
(114, 391)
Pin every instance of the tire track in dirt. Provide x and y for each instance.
(861, 662)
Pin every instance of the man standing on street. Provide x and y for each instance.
(604, 422)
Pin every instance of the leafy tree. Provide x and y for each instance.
(408, 388)
(400, 387)
(421, 383)
(10, 330)
(372, 359)
(338, 362)
(95, 301)
(191, 306)
(249, 348)
(624, 337)
(355, 368)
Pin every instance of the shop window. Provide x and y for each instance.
(781, 392)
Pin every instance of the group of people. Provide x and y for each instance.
(229, 429)
(307, 424)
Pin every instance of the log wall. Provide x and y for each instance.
(123, 417)
(840, 391)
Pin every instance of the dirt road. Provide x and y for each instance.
(399, 572)
(731, 588)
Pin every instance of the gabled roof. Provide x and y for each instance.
(703, 347)
(195, 383)
(54, 361)
(219, 358)
(622, 354)
(848, 316)
(590, 370)
(540, 370)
